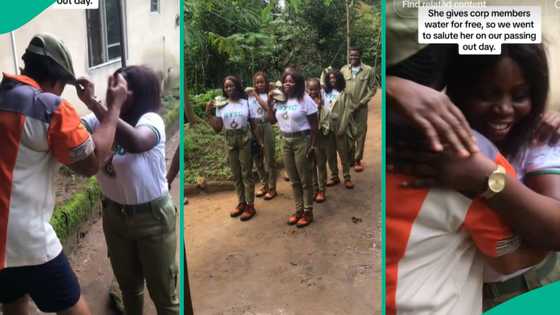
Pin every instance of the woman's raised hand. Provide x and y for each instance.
(117, 91)
(209, 106)
(85, 90)
(548, 129)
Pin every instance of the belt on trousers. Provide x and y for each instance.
(518, 284)
(260, 121)
(236, 131)
(131, 210)
(296, 134)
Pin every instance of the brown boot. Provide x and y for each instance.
(270, 195)
(294, 218)
(333, 182)
(306, 219)
(238, 210)
(348, 184)
(358, 167)
(261, 192)
(320, 197)
(248, 213)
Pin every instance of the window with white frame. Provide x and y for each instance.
(103, 31)
(154, 6)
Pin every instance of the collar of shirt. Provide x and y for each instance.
(355, 70)
(22, 79)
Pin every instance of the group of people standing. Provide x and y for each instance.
(122, 143)
(317, 119)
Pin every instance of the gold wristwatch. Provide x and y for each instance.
(496, 182)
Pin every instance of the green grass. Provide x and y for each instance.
(205, 154)
(76, 210)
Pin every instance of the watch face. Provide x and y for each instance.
(497, 182)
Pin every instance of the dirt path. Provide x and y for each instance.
(91, 264)
(267, 267)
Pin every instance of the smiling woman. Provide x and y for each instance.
(235, 117)
(502, 96)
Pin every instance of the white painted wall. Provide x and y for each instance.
(153, 40)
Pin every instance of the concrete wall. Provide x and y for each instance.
(152, 39)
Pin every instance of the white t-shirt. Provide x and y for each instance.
(257, 112)
(235, 115)
(529, 160)
(138, 177)
(355, 70)
(292, 115)
(435, 241)
(330, 98)
(536, 159)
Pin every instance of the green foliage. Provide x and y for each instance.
(243, 36)
(67, 217)
(199, 101)
(205, 154)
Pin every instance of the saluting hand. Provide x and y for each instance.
(85, 90)
(117, 91)
(209, 107)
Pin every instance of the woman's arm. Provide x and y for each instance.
(314, 123)
(261, 102)
(174, 167)
(135, 139)
(271, 111)
(522, 258)
(546, 184)
(132, 139)
(216, 123)
(533, 216)
(253, 127)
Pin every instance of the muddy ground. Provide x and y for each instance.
(265, 266)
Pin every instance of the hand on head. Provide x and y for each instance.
(117, 90)
(85, 89)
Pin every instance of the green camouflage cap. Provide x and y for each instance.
(49, 46)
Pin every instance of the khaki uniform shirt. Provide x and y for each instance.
(359, 89)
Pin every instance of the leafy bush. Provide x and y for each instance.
(205, 154)
(199, 101)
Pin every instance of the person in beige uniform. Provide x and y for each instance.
(235, 117)
(360, 80)
(264, 160)
(298, 122)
